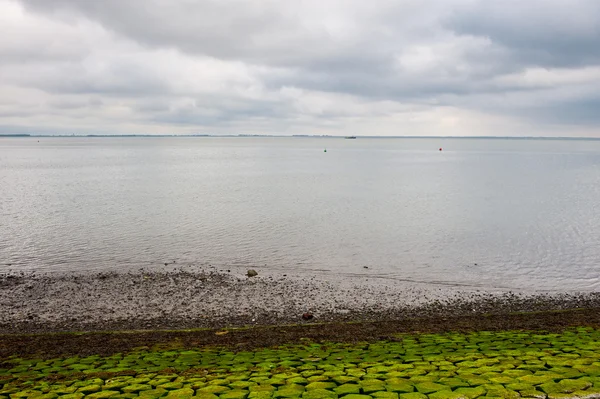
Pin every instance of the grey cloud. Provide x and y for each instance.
(552, 34)
(427, 53)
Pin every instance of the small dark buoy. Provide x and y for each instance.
(440, 148)
(325, 150)
(166, 264)
(475, 264)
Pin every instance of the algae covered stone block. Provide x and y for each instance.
(183, 393)
(385, 395)
(536, 379)
(472, 393)
(446, 395)
(501, 392)
(412, 395)
(430, 387)
(170, 386)
(453, 382)
(153, 393)
(289, 391)
(400, 387)
(134, 388)
(297, 380)
(262, 388)
(76, 395)
(344, 379)
(125, 396)
(320, 385)
(115, 385)
(590, 393)
(502, 379)
(370, 388)
(346, 389)
(86, 390)
(216, 389)
(520, 386)
(318, 394)
(570, 385)
(260, 395)
(533, 394)
(234, 394)
(49, 395)
(102, 394)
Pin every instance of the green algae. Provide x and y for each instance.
(419, 366)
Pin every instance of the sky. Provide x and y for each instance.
(316, 67)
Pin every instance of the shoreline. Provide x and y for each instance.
(107, 343)
(171, 300)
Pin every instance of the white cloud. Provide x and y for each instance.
(380, 68)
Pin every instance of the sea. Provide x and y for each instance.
(487, 213)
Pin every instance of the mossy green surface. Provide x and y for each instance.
(512, 364)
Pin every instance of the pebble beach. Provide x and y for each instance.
(179, 299)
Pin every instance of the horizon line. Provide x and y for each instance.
(25, 135)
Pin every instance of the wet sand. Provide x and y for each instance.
(178, 299)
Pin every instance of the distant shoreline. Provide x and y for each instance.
(292, 136)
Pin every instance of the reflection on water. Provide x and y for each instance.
(485, 212)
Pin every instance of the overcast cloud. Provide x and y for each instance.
(381, 67)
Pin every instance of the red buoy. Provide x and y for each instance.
(440, 148)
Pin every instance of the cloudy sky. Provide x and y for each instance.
(379, 67)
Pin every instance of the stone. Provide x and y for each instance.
(346, 389)
(86, 390)
(153, 393)
(262, 388)
(134, 388)
(400, 388)
(533, 394)
(430, 387)
(446, 395)
(289, 391)
(569, 386)
(170, 386)
(183, 393)
(252, 273)
(320, 385)
(471, 393)
(76, 395)
(234, 394)
(102, 395)
(318, 394)
(385, 395)
(536, 379)
(115, 385)
(520, 386)
(216, 389)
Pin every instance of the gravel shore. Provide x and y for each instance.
(177, 299)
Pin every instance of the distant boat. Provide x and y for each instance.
(351, 137)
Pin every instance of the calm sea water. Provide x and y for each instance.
(521, 214)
